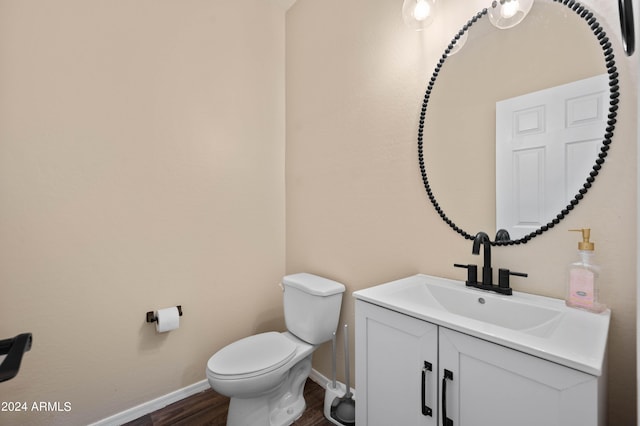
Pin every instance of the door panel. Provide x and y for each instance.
(546, 145)
(391, 373)
(497, 386)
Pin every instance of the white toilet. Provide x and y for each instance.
(264, 374)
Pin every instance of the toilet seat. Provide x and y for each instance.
(252, 356)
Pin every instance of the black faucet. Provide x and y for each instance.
(487, 271)
(503, 286)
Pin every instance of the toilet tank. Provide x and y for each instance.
(311, 306)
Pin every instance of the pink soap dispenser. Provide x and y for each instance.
(582, 289)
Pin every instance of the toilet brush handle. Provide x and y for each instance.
(333, 360)
(346, 362)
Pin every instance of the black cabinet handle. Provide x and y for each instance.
(426, 411)
(445, 420)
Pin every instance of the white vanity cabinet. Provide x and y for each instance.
(471, 381)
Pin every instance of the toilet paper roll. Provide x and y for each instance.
(168, 319)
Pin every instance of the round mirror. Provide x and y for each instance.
(516, 125)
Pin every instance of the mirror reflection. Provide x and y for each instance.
(552, 48)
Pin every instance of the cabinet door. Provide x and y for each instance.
(497, 386)
(391, 350)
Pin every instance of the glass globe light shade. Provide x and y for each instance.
(505, 14)
(418, 14)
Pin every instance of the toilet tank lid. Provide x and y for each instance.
(313, 284)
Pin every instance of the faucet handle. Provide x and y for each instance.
(503, 277)
(472, 272)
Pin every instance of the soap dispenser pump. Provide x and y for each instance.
(582, 289)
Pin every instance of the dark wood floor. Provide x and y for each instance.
(210, 408)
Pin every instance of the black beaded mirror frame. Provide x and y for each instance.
(614, 95)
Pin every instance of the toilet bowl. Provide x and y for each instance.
(264, 374)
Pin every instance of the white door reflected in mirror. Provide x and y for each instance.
(545, 145)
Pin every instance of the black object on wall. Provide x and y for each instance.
(627, 26)
(13, 349)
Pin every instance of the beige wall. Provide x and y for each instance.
(141, 166)
(356, 208)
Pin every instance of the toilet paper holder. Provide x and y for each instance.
(151, 316)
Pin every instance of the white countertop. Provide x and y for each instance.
(569, 336)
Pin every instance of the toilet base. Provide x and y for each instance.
(278, 407)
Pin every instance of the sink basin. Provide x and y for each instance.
(537, 325)
(516, 314)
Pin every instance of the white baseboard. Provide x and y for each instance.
(318, 377)
(175, 396)
(153, 405)
(322, 380)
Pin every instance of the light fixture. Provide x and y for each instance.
(505, 14)
(418, 14)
